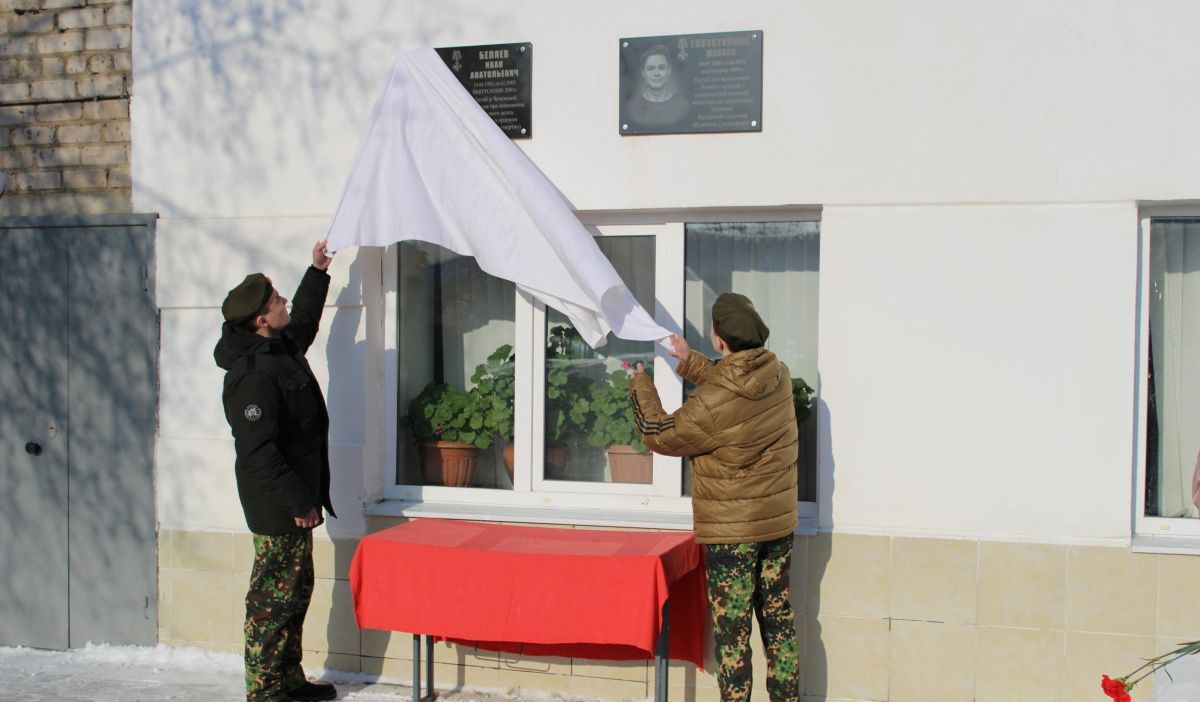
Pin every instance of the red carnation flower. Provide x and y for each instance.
(1119, 689)
(1115, 689)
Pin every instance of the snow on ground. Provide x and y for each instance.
(102, 673)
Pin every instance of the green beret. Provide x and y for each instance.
(736, 322)
(245, 301)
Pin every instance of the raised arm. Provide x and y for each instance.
(679, 433)
(309, 300)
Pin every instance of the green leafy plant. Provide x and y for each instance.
(611, 413)
(444, 412)
(567, 390)
(802, 399)
(567, 402)
(493, 389)
(564, 342)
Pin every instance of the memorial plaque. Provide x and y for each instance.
(499, 77)
(687, 83)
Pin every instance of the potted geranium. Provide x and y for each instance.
(449, 428)
(493, 387)
(567, 391)
(612, 427)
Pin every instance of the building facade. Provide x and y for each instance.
(968, 225)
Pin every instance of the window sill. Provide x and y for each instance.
(1183, 545)
(566, 516)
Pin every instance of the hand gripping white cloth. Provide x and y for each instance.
(434, 167)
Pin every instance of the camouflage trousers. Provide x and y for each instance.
(745, 577)
(281, 586)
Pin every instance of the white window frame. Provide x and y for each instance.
(660, 504)
(1144, 525)
(668, 313)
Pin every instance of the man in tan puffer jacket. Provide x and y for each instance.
(739, 428)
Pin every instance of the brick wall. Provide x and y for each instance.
(66, 70)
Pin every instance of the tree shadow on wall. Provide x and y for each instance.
(258, 92)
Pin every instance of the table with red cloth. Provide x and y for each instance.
(535, 591)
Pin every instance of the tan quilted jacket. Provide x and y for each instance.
(739, 428)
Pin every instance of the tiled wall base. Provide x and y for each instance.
(889, 619)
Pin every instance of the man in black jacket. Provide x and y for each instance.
(281, 438)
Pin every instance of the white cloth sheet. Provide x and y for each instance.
(434, 167)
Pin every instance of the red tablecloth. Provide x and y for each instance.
(544, 592)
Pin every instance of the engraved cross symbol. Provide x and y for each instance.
(682, 44)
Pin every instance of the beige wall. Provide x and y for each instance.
(880, 618)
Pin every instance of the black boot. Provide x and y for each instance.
(312, 691)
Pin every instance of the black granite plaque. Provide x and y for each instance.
(687, 83)
(500, 78)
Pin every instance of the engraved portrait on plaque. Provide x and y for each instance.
(691, 83)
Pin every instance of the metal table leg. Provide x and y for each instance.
(416, 676)
(662, 655)
(429, 666)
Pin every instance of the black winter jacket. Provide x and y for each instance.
(278, 416)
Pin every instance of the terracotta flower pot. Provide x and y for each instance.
(509, 455)
(450, 463)
(556, 458)
(629, 466)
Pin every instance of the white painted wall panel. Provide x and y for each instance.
(189, 393)
(199, 260)
(977, 369)
(195, 485)
(246, 111)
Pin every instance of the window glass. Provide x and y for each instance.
(456, 332)
(774, 264)
(589, 432)
(1173, 407)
